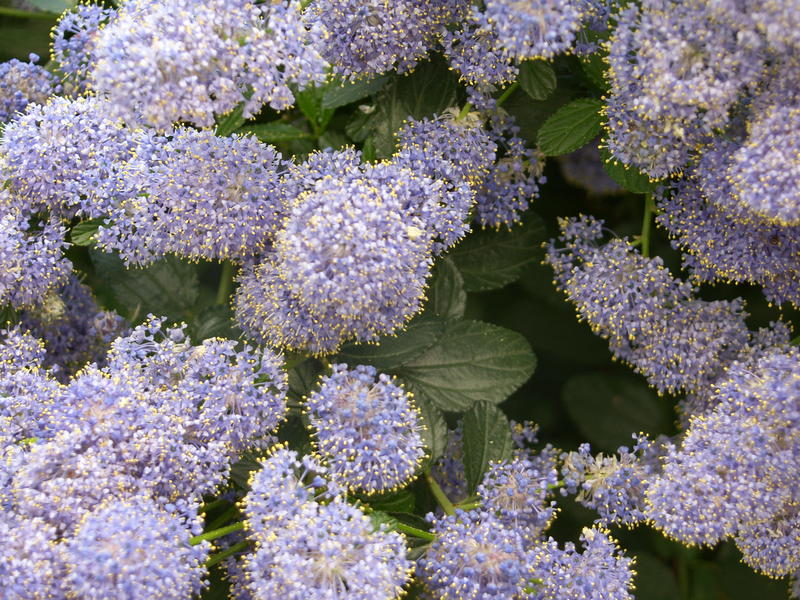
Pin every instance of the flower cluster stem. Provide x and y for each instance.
(647, 223)
(216, 533)
(439, 494)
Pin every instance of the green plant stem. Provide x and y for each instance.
(217, 558)
(216, 533)
(209, 506)
(223, 518)
(225, 283)
(507, 93)
(464, 111)
(647, 222)
(468, 505)
(439, 494)
(402, 527)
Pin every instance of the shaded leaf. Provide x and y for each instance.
(608, 408)
(275, 132)
(446, 295)
(487, 438)
(537, 78)
(489, 259)
(394, 351)
(470, 362)
(570, 127)
(435, 434)
(214, 321)
(83, 233)
(629, 177)
(345, 92)
(168, 287)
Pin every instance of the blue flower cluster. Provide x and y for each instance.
(134, 459)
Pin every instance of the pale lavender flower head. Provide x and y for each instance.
(66, 156)
(133, 548)
(31, 259)
(362, 38)
(181, 60)
(600, 572)
(722, 240)
(513, 180)
(475, 557)
(198, 195)
(675, 72)
(612, 485)
(270, 313)
(534, 29)
(32, 565)
(651, 319)
(357, 249)
(280, 488)
(736, 468)
(458, 153)
(517, 492)
(74, 39)
(366, 428)
(22, 84)
(327, 551)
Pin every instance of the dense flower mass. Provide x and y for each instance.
(22, 84)
(241, 352)
(179, 60)
(366, 429)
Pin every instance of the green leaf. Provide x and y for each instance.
(446, 295)
(608, 408)
(654, 580)
(214, 321)
(380, 518)
(469, 363)
(594, 67)
(392, 352)
(537, 78)
(275, 132)
(229, 123)
(487, 438)
(52, 6)
(429, 89)
(570, 127)
(435, 434)
(168, 287)
(242, 469)
(346, 92)
(83, 233)
(303, 377)
(629, 177)
(490, 259)
(309, 101)
(401, 501)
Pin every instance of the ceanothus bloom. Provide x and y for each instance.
(187, 60)
(734, 473)
(651, 319)
(361, 38)
(74, 39)
(197, 195)
(32, 565)
(600, 572)
(475, 557)
(133, 548)
(22, 84)
(366, 428)
(328, 552)
(66, 156)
